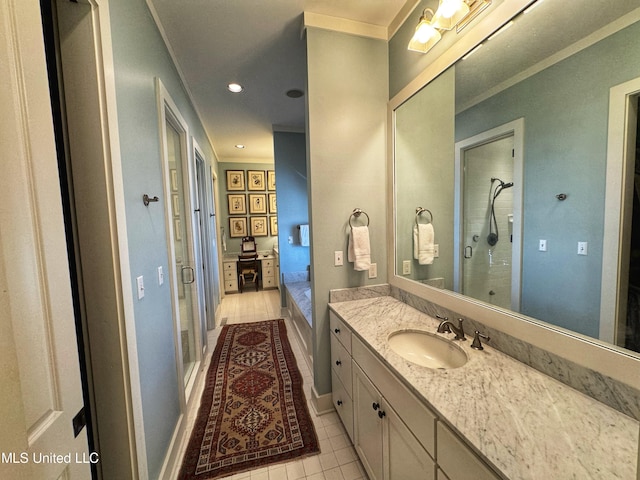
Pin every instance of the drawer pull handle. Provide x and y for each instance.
(337, 330)
(381, 414)
(375, 406)
(338, 362)
(339, 402)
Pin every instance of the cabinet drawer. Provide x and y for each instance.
(231, 286)
(267, 263)
(342, 402)
(457, 460)
(411, 410)
(229, 275)
(268, 282)
(340, 330)
(341, 363)
(267, 272)
(229, 266)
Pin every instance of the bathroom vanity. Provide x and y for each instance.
(491, 418)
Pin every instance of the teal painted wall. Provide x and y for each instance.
(139, 57)
(293, 199)
(346, 126)
(565, 108)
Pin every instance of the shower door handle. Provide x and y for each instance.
(468, 251)
(191, 278)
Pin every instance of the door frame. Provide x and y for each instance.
(515, 128)
(618, 209)
(169, 111)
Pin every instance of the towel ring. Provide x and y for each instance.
(356, 213)
(420, 211)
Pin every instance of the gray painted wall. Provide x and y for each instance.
(424, 152)
(565, 109)
(293, 200)
(139, 57)
(346, 119)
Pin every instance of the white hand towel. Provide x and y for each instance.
(423, 247)
(304, 235)
(359, 251)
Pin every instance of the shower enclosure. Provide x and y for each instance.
(488, 192)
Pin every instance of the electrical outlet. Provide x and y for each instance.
(406, 267)
(338, 259)
(582, 248)
(140, 285)
(373, 270)
(436, 250)
(542, 246)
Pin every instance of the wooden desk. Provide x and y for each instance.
(269, 269)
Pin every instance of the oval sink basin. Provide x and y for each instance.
(427, 350)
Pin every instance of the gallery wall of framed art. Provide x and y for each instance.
(251, 205)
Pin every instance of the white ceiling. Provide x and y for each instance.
(255, 43)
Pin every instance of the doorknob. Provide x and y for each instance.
(192, 277)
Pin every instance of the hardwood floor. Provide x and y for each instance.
(337, 459)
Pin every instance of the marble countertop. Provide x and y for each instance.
(524, 423)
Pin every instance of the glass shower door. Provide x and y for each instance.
(182, 249)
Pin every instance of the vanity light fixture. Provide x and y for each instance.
(425, 35)
(235, 87)
(449, 14)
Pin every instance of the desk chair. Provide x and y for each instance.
(248, 270)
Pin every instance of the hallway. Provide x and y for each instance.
(337, 460)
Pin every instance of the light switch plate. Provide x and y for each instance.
(160, 276)
(582, 248)
(373, 270)
(140, 285)
(406, 267)
(338, 259)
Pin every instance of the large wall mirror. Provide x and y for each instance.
(513, 160)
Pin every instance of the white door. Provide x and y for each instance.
(41, 388)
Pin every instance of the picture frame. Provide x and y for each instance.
(235, 180)
(273, 207)
(259, 226)
(271, 180)
(257, 203)
(237, 203)
(237, 227)
(273, 226)
(256, 180)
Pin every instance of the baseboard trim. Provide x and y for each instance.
(321, 403)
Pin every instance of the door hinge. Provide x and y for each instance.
(79, 422)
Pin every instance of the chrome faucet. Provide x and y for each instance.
(447, 327)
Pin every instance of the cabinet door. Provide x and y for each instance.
(368, 426)
(457, 460)
(407, 458)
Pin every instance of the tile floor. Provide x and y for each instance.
(337, 459)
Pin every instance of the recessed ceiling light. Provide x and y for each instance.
(295, 93)
(235, 87)
(240, 146)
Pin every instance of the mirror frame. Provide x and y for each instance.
(609, 360)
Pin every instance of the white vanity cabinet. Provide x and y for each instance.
(341, 378)
(394, 433)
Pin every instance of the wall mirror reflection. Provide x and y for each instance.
(525, 154)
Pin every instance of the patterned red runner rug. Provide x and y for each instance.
(253, 410)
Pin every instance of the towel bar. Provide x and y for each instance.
(420, 211)
(356, 213)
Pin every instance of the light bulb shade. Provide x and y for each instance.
(449, 14)
(425, 37)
